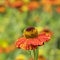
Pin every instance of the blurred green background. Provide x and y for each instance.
(12, 24)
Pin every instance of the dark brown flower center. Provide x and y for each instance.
(30, 28)
(30, 32)
(46, 30)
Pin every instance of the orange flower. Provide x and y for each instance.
(51, 2)
(57, 2)
(1, 50)
(2, 9)
(10, 48)
(41, 57)
(31, 58)
(47, 5)
(58, 9)
(7, 50)
(47, 8)
(31, 39)
(15, 3)
(33, 5)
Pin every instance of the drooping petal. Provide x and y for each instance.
(27, 46)
(20, 41)
(45, 37)
(23, 46)
(35, 41)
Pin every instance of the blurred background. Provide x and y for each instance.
(16, 15)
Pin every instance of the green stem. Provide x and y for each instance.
(35, 54)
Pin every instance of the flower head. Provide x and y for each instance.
(32, 39)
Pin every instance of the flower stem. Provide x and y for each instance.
(35, 54)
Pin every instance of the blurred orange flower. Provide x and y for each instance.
(57, 2)
(33, 5)
(47, 4)
(58, 9)
(52, 2)
(2, 9)
(47, 8)
(14, 3)
(7, 50)
(41, 57)
(10, 48)
(1, 50)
